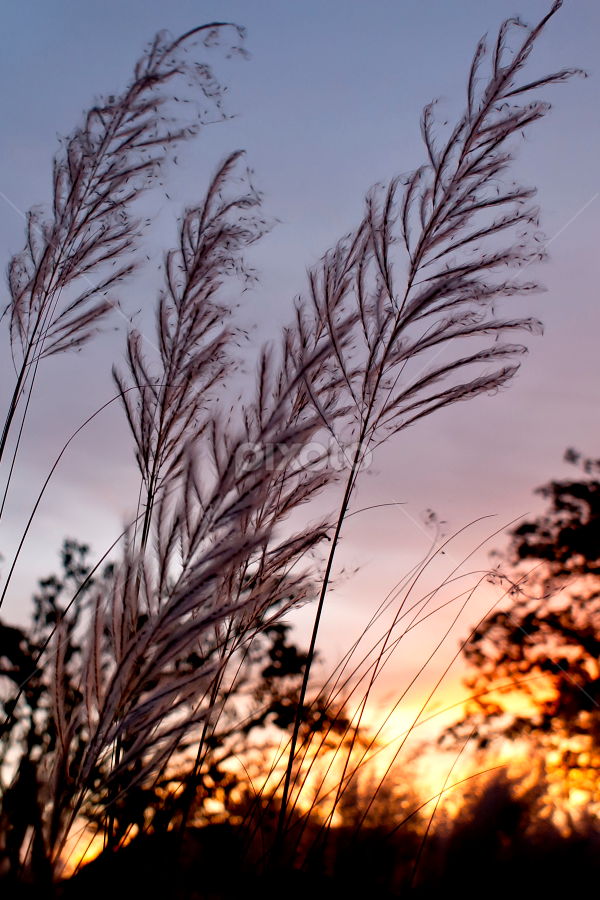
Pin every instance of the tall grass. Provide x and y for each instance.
(147, 657)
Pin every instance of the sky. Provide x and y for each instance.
(327, 104)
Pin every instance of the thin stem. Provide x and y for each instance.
(311, 650)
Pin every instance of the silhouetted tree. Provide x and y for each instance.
(548, 638)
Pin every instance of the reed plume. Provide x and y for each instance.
(448, 216)
(61, 284)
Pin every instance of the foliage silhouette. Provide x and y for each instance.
(545, 649)
(552, 628)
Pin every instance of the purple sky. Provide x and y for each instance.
(328, 104)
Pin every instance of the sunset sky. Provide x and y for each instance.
(328, 104)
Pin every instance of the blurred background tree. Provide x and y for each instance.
(545, 648)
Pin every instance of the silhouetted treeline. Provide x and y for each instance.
(497, 846)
